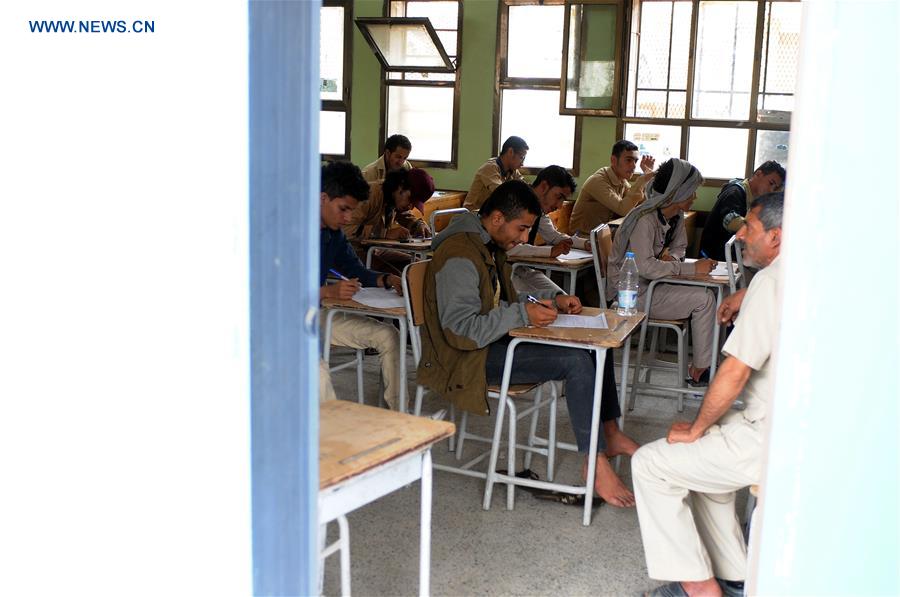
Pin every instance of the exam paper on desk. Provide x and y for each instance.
(597, 322)
(574, 254)
(379, 298)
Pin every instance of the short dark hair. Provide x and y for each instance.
(556, 176)
(395, 141)
(343, 178)
(517, 144)
(771, 209)
(773, 167)
(664, 174)
(511, 199)
(623, 145)
(393, 181)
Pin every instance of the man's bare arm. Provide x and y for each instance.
(723, 391)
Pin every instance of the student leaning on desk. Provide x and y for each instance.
(471, 305)
(343, 188)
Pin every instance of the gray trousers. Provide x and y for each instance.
(671, 301)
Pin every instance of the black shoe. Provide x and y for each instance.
(700, 383)
(731, 588)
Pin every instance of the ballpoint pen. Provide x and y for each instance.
(334, 272)
(531, 299)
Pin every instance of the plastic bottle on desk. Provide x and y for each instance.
(628, 286)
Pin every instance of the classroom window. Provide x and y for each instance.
(334, 72)
(424, 106)
(528, 79)
(692, 75)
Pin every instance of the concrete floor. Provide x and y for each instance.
(539, 548)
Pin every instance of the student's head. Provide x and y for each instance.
(661, 183)
(509, 213)
(397, 194)
(512, 153)
(553, 185)
(421, 187)
(624, 159)
(761, 232)
(396, 150)
(342, 188)
(768, 178)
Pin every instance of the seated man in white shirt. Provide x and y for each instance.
(685, 484)
(553, 185)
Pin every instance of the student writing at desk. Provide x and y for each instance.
(496, 171)
(654, 232)
(686, 483)
(470, 305)
(553, 185)
(388, 214)
(343, 188)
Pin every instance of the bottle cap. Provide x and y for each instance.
(629, 254)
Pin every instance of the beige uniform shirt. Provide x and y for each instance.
(754, 338)
(605, 197)
(376, 171)
(487, 178)
(368, 219)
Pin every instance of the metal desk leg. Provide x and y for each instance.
(716, 329)
(425, 526)
(369, 254)
(573, 278)
(595, 430)
(402, 391)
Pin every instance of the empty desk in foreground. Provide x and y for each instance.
(366, 453)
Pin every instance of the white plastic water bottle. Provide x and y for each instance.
(628, 286)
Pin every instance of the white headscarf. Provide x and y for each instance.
(683, 183)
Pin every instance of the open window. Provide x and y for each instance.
(406, 44)
(592, 46)
(335, 71)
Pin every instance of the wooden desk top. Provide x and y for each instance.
(611, 338)
(567, 263)
(705, 278)
(354, 438)
(351, 305)
(412, 244)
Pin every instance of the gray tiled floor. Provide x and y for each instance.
(539, 548)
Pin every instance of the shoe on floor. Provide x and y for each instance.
(700, 383)
(673, 589)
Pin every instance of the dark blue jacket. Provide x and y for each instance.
(337, 254)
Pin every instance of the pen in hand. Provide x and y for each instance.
(339, 275)
(531, 299)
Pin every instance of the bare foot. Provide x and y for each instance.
(703, 588)
(617, 443)
(608, 485)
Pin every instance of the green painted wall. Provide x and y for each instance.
(476, 119)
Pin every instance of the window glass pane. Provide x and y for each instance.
(535, 42)
(723, 68)
(781, 49)
(660, 141)
(405, 45)
(591, 57)
(448, 40)
(332, 131)
(772, 145)
(681, 45)
(653, 61)
(677, 100)
(443, 15)
(425, 115)
(331, 52)
(651, 104)
(534, 115)
(718, 153)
